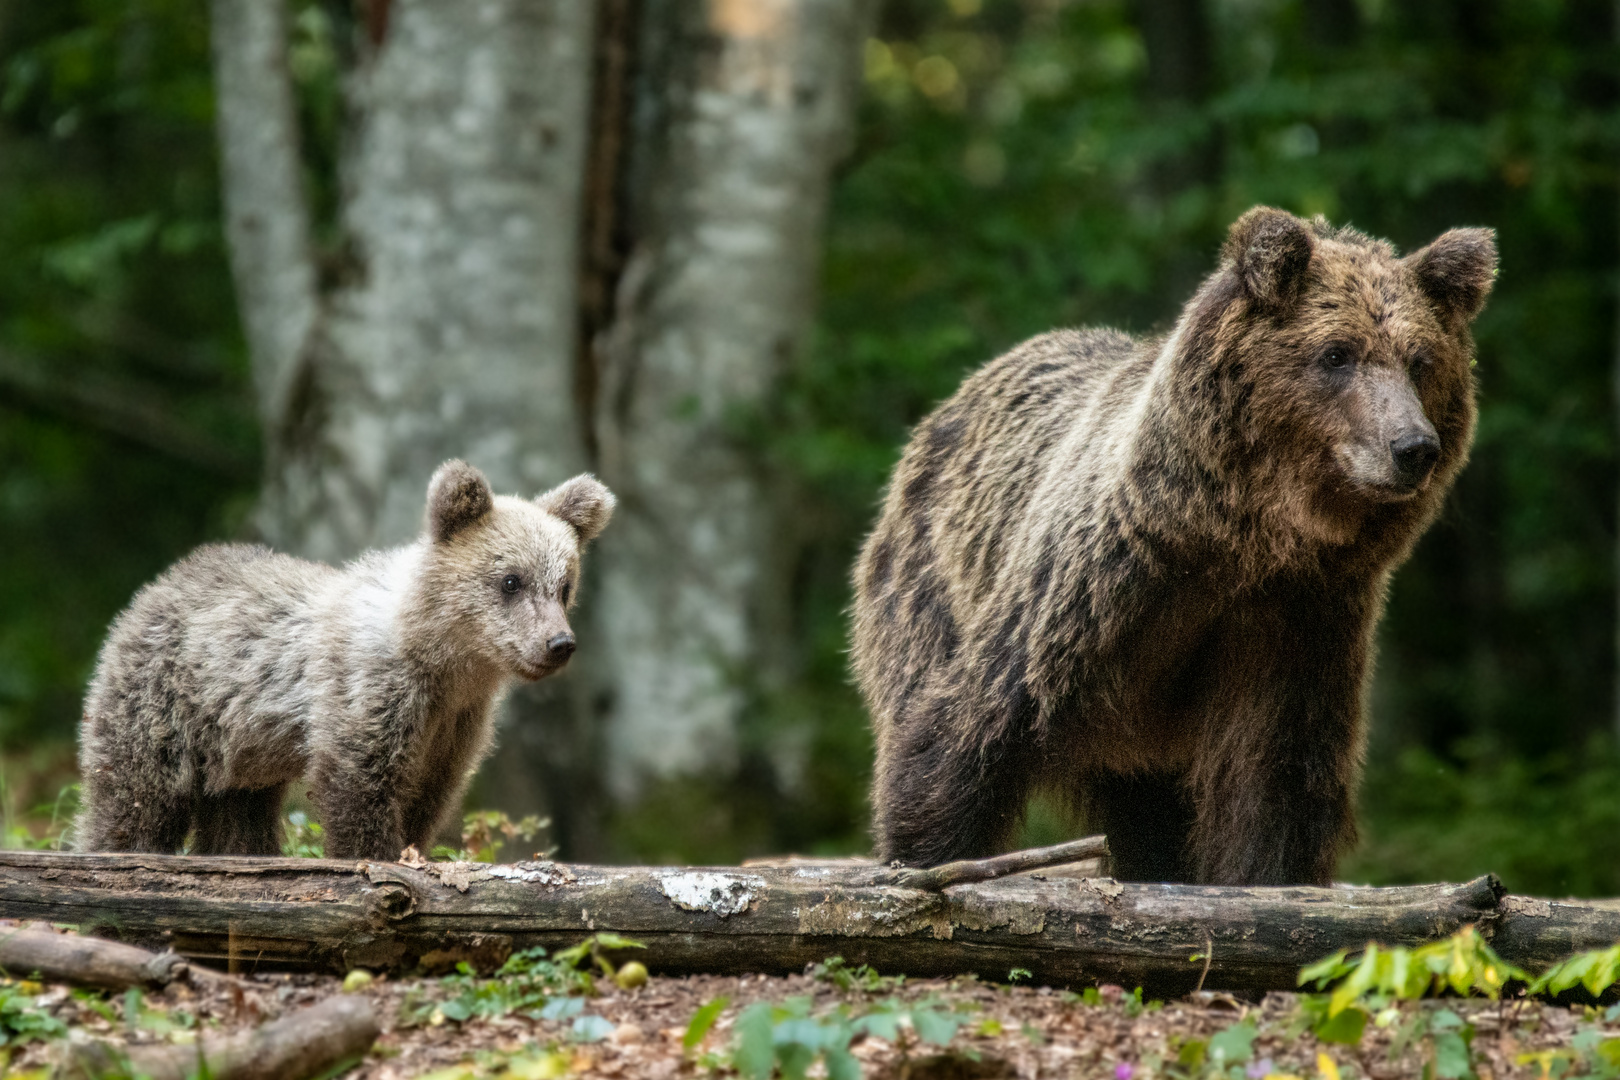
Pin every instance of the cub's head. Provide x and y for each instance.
(503, 571)
(1345, 362)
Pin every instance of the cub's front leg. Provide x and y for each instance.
(361, 778)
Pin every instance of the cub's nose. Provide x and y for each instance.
(559, 648)
(1415, 454)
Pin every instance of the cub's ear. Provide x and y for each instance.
(458, 496)
(1457, 271)
(1270, 250)
(584, 502)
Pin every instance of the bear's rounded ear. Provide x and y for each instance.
(584, 502)
(1457, 271)
(1270, 249)
(458, 496)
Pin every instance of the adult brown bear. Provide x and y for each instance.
(1145, 575)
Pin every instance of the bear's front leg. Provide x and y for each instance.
(1273, 783)
(939, 797)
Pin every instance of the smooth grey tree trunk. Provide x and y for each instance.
(448, 324)
(450, 330)
(743, 108)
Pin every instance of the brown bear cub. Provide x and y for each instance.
(240, 671)
(1143, 575)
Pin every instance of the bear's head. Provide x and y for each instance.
(1342, 372)
(503, 571)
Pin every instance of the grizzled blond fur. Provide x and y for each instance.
(1144, 575)
(240, 671)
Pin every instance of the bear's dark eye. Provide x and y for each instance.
(567, 591)
(1417, 366)
(511, 583)
(1335, 358)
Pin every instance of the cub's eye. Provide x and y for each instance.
(511, 583)
(1335, 358)
(567, 591)
(1417, 366)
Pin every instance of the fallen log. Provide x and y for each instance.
(312, 914)
(27, 951)
(306, 1043)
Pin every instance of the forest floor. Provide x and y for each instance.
(961, 1029)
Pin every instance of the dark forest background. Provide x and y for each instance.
(1019, 164)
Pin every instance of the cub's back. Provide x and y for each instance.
(222, 634)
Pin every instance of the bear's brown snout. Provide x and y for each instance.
(1415, 453)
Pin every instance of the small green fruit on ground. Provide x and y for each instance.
(631, 975)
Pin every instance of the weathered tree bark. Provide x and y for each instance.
(299, 1045)
(743, 108)
(107, 965)
(318, 914)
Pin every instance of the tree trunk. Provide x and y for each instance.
(449, 327)
(743, 107)
(447, 321)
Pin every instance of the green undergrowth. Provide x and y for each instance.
(484, 834)
(530, 983)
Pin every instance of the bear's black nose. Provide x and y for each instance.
(560, 648)
(1415, 454)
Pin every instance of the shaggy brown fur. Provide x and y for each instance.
(1145, 574)
(239, 671)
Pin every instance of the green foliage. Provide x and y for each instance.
(702, 1020)
(57, 815)
(485, 832)
(1548, 828)
(527, 983)
(303, 837)
(21, 1018)
(1463, 963)
(788, 1038)
(1596, 970)
(863, 978)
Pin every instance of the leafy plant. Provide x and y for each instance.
(58, 815)
(1597, 970)
(788, 1038)
(701, 1022)
(21, 1018)
(1463, 963)
(529, 983)
(863, 978)
(485, 832)
(303, 838)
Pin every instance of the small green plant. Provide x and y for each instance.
(58, 815)
(788, 1038)
(1596, 970)
(21, 1018)
(1463, 963)
(302, 837)
(485, 832)
(702, 1020)
(528, 983)
(863, 978)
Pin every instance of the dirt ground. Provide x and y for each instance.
(1004, 1031)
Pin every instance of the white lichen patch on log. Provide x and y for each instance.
(461, 875)
(718, 894)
